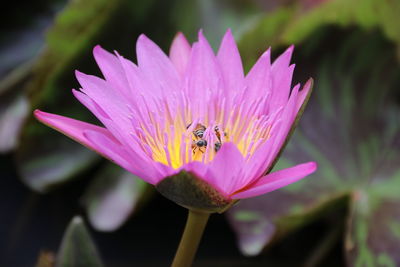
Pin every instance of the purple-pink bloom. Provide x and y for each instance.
(193, 111)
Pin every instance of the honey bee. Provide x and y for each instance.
(218, 144)
(198, 142)
(199, 131)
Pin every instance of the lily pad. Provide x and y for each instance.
(113, 196)
(351, 127)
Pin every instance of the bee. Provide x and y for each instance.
(198, 132)
(198, 142)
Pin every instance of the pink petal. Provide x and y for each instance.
(225, 168)
(277, 180)
(113, 105)
(287, 119)
(258, 80)
(282, 78)
(265, 155)
(204, 77)
(280, 65)
(101, 141)
(303, 93)
(156, 66)
(117, 153)
(179, 53)
(112, 70)
(281, 88)
(196, 167)
(72, 128)
(230, 62)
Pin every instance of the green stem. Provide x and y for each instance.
(195, 225)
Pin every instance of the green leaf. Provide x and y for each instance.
(373, 236)
(114, 195)
(293, 24)
(77, 248)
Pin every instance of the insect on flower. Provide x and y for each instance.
(192, 123)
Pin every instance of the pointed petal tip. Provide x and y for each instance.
(79, 74)
(278, 179)
(142, 36)
(308, 86)
(142, 40)
(42, 116)
(97, 49)
(309, 83)
(179, 35)
(37, 113)
(310, 167)
(267, 53)
(228, 33)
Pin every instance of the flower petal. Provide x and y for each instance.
(230, 62)
(118, 154)
(225, 168)
(304, 93)
(282, 78)
(112, 70)
(156, 66)
(204, 78)
(277, 180)
(258, 80)
(179, 53)
(72, 128)
(197, 167)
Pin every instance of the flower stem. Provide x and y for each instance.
(195, 225)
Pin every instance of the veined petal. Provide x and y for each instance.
(258, 80)
(277, 180)
(179, 53)
(281, 88)
(73, 128)
(225, 168)
(156, 66)
(230, 62)
(118, 154)
(280, 65)
(304, 93)
(204, 78)
(111, 69)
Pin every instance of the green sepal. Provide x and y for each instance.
(191, 192)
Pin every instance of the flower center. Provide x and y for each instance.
(204, 139)
(174, 132)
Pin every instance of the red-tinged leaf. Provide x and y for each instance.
(351, 127)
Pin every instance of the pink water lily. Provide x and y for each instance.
(191, 112)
